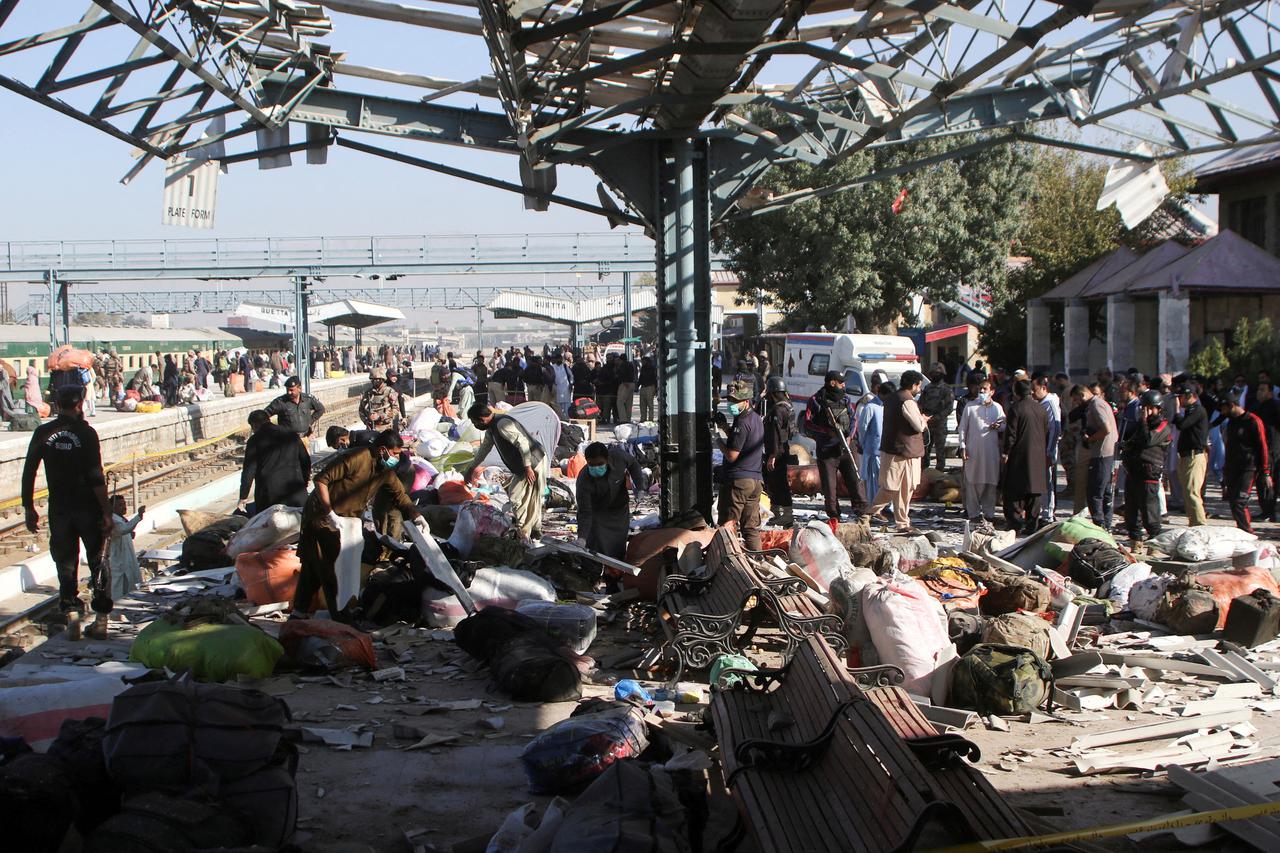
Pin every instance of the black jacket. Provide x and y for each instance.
(72, 459)
(1246, 440)
(1193, 429)
(648, 373)
(276, 461)
(1144, 451)
(584, 380)
(779, 427)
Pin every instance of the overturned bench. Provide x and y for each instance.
(720, 610)
(815, 762)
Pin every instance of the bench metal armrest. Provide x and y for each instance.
(687, 584)
(767, 553)
(944, 751)
(784, 586)
(788, 757)
(884, 675)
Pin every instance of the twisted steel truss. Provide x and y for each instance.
(582, 82)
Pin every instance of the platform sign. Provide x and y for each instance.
(190, 192)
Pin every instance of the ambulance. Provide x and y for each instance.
(807, 356)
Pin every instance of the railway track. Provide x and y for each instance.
(151, 480)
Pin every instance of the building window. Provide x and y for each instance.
(1248, 218)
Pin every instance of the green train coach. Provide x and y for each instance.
(21, 346)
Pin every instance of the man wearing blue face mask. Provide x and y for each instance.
(742, 475)
(343, 489)
(604, 507)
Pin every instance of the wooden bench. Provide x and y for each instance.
(841, 775)
(709, 614)
(786, 599)
(721, 610)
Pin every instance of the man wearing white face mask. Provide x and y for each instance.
(343, 489)
(604, 508)
(742, 475)
(980, 428)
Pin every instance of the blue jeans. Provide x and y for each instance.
(1101, 490)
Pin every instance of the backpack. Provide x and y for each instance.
(79, 747)
(1009, 593)
(1188, 608)
(584, 409)
(1093, 562)
(1019, 629)
(999, 679)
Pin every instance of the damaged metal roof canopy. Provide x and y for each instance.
(591, 83)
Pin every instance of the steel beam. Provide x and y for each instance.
(20, 88)
(684, 327)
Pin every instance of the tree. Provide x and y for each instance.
(1062, 232)
(850, 253)
(1254, 347)
(1210, 362)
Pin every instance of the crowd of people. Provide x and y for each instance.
(1157, 442)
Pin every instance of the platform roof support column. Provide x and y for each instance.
(684, 327)
(1174, 330)
(480, 329)
(1038, 341)
(51, 279)
(301, 342)
(626, 309)
(1120, 332)
(1077, 338)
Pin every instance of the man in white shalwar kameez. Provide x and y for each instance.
(980, 428)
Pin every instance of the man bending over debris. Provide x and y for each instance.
(524, 458)
(343, 489)
(604, 506)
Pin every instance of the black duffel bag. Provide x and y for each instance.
(1094, 562)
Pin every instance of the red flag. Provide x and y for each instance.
(896, 207)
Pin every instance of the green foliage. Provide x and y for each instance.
(1210, 361)
(848, 253)
(1062, 233)
(1254, 347)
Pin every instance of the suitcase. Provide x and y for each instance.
(1253, 619)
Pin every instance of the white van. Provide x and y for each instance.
(809, 355)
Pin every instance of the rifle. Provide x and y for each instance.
(844, 440)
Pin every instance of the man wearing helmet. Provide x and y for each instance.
(380, 405)
(1143, 455)
(779, 427)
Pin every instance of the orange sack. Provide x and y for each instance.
(1231, 584)
(269, 577)
(356, 646)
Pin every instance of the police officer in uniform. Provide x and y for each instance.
(295, 410)
(79, 511)
(779, 427)
(380, 405)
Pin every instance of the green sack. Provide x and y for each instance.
(1075, 529)
(212, 652)
(723, 662)
(996, 679)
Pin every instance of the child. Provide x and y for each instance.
(1143, 455)
(126, 574)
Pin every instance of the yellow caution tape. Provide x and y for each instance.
(1149, 825)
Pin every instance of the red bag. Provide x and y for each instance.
(775, 540)
(356, 646)
(575, 465)
(584, 409)
(269, 577)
